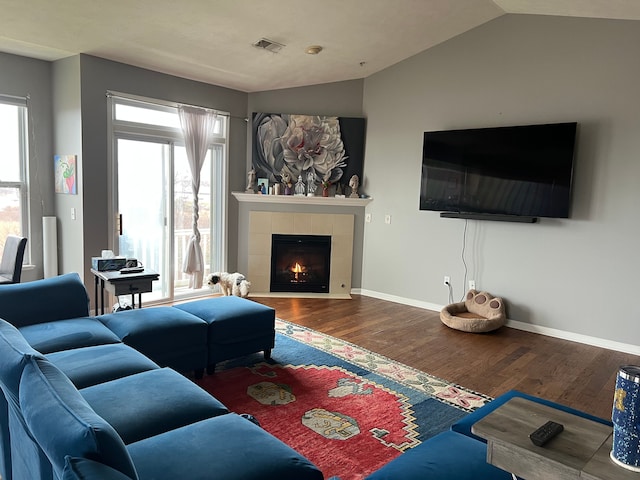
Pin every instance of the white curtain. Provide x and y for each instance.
(197, 125)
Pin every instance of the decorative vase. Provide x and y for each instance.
(325, 191)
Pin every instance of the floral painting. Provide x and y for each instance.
(328, 149)
(65, 173)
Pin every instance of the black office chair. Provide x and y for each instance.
(12, 256)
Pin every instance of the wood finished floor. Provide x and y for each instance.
(577, 375)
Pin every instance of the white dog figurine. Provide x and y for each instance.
(230, 283)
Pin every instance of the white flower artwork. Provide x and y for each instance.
(299, 145)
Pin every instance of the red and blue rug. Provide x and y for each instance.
(346, 409)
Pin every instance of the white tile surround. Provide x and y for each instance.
(262, 224)
(290, 214)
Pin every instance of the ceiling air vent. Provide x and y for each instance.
(269, 45)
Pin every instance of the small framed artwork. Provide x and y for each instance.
(263, 186)
(65, 174)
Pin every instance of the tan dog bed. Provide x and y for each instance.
(480, 312)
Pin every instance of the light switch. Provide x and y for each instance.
(73, 213)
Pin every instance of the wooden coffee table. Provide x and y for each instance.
(580, 451)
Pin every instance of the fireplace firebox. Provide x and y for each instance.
(300, 263)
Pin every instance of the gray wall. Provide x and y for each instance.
(576, 275)
(335, 99)
(67, 140)
(20, 76)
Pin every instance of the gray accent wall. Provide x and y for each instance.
(576, 275)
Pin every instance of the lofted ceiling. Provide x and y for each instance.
(212, 40)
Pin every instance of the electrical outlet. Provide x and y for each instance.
(387, 219)
(447, 281)
(472, 284)
(367, 217)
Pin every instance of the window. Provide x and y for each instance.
(14, 206)
(152, 196)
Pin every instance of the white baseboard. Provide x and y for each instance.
(527, 327)
(402, 300)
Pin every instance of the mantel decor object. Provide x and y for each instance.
(354, 183)
(251, 181)
(300, 188)
(311, 184)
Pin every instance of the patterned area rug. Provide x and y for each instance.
(347, 409)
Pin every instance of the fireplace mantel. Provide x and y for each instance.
(260, 216)
(299, 200)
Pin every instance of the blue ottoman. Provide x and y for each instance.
(168, 336)
(447, 456)
(237, 327)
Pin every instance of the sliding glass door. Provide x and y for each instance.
(153, 196)
(142, 172)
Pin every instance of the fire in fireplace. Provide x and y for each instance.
(300, 263)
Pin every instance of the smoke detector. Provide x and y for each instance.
(270, 45)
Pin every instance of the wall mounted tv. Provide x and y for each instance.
(514, 173)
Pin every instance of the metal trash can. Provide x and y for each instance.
(626, 418)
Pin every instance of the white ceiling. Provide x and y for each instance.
(211, 40)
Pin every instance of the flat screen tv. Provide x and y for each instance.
(514, 173)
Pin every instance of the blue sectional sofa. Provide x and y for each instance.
(101, 397)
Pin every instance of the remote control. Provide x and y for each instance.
(545, 433)
(131, 270)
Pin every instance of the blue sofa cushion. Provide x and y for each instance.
(45, 300)
(84, 469)
(152, 402)
(63, 423)
(66, 334)
(447, 456)
(237, 450)
(464, 425)
(88, 366)
(170, 337)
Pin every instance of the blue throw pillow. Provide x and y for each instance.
(63, 423)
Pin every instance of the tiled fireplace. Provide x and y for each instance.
(335, 230)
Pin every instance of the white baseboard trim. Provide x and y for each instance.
(392, 298)
(527, 327)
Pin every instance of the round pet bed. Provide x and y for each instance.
(480, 312)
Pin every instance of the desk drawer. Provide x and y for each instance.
(127, 287)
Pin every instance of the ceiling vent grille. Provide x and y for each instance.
(270, 45)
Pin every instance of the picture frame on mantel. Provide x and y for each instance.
(263, 186)
(332, 147)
